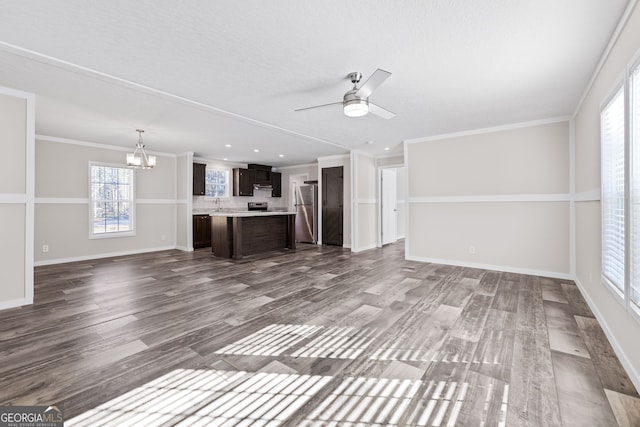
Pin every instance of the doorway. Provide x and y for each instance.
(332, 205)
(392, 207)
(389, 206)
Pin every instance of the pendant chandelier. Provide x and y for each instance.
(139, 159)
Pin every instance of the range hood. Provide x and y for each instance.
(263, 177)
(257, 186)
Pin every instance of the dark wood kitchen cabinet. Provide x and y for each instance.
(243, 180)
(201, 231)
(276, 183)
(199, 173)
(235, 236)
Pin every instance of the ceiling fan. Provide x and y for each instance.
(355, 102)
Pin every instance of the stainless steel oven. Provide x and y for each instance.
(258, 206)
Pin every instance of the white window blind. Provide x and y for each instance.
(613, 186)
(634, 114)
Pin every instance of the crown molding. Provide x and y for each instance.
(46, 138)
(480, 131)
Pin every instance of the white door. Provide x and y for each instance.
(389, 207)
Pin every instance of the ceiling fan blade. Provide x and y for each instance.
(379, 111)
(376, 79)
(318, 106)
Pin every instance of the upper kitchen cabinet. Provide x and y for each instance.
(243, 180)
(276, 183)
(263, 174)
(199, 172)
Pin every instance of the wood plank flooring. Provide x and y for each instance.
(317, 336)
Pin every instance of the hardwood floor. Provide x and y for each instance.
(315, 336)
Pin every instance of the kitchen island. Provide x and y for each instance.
(236, 234)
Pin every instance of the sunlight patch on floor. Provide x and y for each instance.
(191, 397)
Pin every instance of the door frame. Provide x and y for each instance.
(385, 209)
(379, 200)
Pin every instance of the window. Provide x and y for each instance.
(613, 185)
(216, 183)
(620, 187)
(112, 201)
(634, 103)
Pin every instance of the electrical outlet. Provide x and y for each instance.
(45, 248)
(472, 249)
(163, 237)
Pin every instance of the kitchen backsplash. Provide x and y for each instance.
(204, 204)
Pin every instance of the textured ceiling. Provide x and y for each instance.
(198, 75)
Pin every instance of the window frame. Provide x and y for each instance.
(624, 83)
(633, 143)
(228, 185)
(619, 87)
(131, 201)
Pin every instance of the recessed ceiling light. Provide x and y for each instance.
(387, 148)
(280, 155)
(255, 150)
(369, 142)
(227, 145)
(225, 159)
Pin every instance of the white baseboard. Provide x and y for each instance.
(518, 270)
(4, 305)
(622, 356)
(99, 256)
(184, 248)
(364, 248)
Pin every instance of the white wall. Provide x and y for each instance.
(184, 190)
(390, 161)
(62, 203)
(17, 126)
(364, 202)
(497, 199)
(621, 328)
(401, 201)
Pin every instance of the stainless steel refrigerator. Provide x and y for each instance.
(306, 203)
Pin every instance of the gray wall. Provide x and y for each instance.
(62, 203)
(503, 194)
(621, 327)
(16, 197)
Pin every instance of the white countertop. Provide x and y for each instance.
(249, 213)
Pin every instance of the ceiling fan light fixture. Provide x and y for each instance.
(356, 107)
(355, 102)
(139, 159)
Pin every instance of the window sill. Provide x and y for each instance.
(112, 235)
